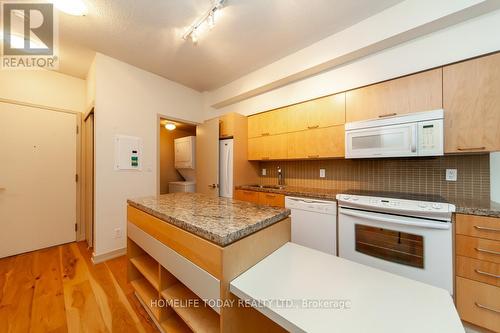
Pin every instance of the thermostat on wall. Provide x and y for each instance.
(128, 153)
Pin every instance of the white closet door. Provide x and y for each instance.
(37, 178)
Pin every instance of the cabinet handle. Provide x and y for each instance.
(213, 185)
(486, 228)
(387, 115)
(471, 148)
(479, 305)
(313, 156)
(265, 158)
(487, 251)
(487, 274)
(313, 127)
(265, 134)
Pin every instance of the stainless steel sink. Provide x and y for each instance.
(274, 187)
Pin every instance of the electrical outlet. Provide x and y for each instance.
(322, 173)
(264, 172)
(118, 233)
(451, 175)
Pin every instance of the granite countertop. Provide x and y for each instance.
(478, 207)
(295, 191)
(219, 220)
(469, 207)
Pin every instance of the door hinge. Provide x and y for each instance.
(76, 227)
(77, 129)
(76, 178)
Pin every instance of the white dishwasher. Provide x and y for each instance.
(314, 223)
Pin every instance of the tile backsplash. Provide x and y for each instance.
(408, 175)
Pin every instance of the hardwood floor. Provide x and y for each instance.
(59, 290)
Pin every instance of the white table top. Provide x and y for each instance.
(376, 301)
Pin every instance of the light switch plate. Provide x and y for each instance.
(264, 172)
(451, 175)
(322, 173)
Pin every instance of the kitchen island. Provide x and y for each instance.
(185, 248)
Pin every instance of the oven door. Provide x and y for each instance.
(416, 248)
(386, 141)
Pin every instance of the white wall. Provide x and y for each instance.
(468, 39)
(128, 101)
(495, 176)
(45, 88)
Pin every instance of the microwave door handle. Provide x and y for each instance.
(429, 225)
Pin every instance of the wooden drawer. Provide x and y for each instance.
(478, 248)
(478, 226)
(243, 195)
(479, 303)
(271, 199)
(478, 270)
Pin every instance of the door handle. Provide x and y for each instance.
(487, 274)
(387, 115)
(478, 249)
(479, 305)
(472, 148)
(213, 185)
(481, 228)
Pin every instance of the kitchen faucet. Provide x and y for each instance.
(281, 180)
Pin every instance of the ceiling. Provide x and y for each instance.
(248, 35)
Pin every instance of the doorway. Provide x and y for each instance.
(170, 177)
(38, 177)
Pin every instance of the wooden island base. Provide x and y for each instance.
(173, 270)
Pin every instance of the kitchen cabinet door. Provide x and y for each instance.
(271, 199)
(226, 128)
(244, 195)
(413, 93)
(471, 91)
(318, 113)
(255, 124)
(271, 147)
(327, 111)
(268, 123)
(317, 143)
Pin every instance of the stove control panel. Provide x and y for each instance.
(398, 206)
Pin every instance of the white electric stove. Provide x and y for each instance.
(408, 235)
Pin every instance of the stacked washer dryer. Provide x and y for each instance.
(185, 155)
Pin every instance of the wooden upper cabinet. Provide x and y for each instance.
(471, 91)
(226, 125)
(272, 147)
(317, 143)
(318, 113)
(268, 123)
(413, 93)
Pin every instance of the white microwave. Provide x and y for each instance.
(414, 134)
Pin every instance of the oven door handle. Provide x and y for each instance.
(429, 225)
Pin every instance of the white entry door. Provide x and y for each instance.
(37, 178)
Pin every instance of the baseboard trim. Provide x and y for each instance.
(97, 259)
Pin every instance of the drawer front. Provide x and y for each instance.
(270, 199)
(243, 195)
(478, 248)
(479, 303)
(478, 226)
(202, 283)
(478, 270)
